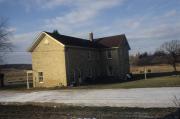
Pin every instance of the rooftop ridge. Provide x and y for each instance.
(103, 42)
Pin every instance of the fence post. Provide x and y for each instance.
(27, 76)
(145, 73)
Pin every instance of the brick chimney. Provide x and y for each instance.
(91, 36)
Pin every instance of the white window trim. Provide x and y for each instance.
(41, 77)
(108, 55)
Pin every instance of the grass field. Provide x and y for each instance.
(154, 68)
(171, 81)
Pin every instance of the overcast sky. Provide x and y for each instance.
(146, 23)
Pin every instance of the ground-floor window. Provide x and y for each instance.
(40, 76)
(109, 70)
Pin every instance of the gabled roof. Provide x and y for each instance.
(106, 42)
(113, 41)
(71, 41)
(36, 42)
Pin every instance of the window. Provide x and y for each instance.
(109, 55)
(40, 76)
(109, 70)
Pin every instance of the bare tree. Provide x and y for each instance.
(5, 34)
(172, 50)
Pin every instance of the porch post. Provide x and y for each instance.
(27, 80)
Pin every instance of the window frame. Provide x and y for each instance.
(107, 54)
(110, 73)
(40, 77)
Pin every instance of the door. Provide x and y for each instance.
(77, 76)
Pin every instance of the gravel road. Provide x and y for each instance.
(140, 97)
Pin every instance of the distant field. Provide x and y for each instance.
(171, 81)
(153, 68)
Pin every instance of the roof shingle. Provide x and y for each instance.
(106, 42)
(113, 41)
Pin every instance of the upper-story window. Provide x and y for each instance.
(89, 55)
(109, 54)
(40, 77)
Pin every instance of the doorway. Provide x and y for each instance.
(78, 76)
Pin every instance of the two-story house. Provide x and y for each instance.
(59, 60)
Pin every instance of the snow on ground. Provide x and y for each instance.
(140, 97)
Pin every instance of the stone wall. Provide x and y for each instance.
(49, 57)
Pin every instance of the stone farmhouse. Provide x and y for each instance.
(60, 60)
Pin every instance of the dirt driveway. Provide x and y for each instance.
(140, 97)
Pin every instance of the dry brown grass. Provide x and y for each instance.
(75, 112)
(154, 68)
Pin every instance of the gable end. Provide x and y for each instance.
(38, 40)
